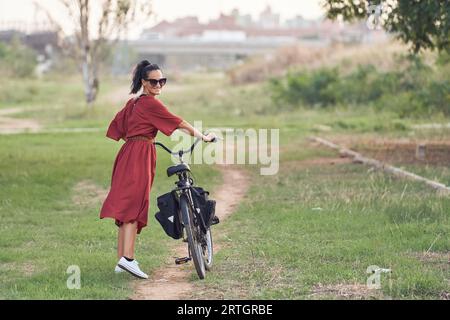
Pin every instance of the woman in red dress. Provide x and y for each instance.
(134, 167)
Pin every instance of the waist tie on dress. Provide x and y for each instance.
(150, 140)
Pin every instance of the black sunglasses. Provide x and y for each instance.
(154, 82)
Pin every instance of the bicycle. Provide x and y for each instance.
(198, 235)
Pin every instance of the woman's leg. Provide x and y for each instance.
(129, 238)
(120, 238)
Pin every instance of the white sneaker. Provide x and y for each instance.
(132, 267)
(118, 269)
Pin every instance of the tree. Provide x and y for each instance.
(424, 24)
(88, 46)
(16, 59)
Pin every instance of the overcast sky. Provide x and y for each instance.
(23, 10)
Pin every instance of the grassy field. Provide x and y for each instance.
(309, 232)
(312, 231)
(52, 187)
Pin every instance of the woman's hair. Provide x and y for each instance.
(140, 72)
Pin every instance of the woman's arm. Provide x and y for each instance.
(185, 126)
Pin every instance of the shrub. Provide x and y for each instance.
(17, 60)
(309, 87)
(415, 89)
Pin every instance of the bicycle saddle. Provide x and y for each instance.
(177, 168)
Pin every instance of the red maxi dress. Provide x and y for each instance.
(135, 163)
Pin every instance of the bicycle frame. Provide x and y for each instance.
(184, 188)
(191, 219)
(185, 181)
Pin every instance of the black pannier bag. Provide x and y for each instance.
(206, 207)
(167, 215)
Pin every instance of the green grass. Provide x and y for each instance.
(304, 226)
(43, 231)
(313, 225)
(440, 173)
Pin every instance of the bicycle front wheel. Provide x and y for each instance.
(193, 234)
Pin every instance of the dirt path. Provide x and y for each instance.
(10, 125)
(172, 281)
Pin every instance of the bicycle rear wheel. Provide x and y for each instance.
(208, 250)
(193, 234)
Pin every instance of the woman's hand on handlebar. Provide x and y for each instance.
(210, 137)
(185, 126)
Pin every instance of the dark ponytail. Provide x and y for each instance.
(139, 73)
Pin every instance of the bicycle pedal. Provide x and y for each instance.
(182, 260)
(215, 220)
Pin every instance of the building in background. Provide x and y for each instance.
(187, 44)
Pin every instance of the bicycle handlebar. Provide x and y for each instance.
(181, 152)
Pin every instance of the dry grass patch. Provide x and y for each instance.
(27, 268)
(86, 194)
(345, 291)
